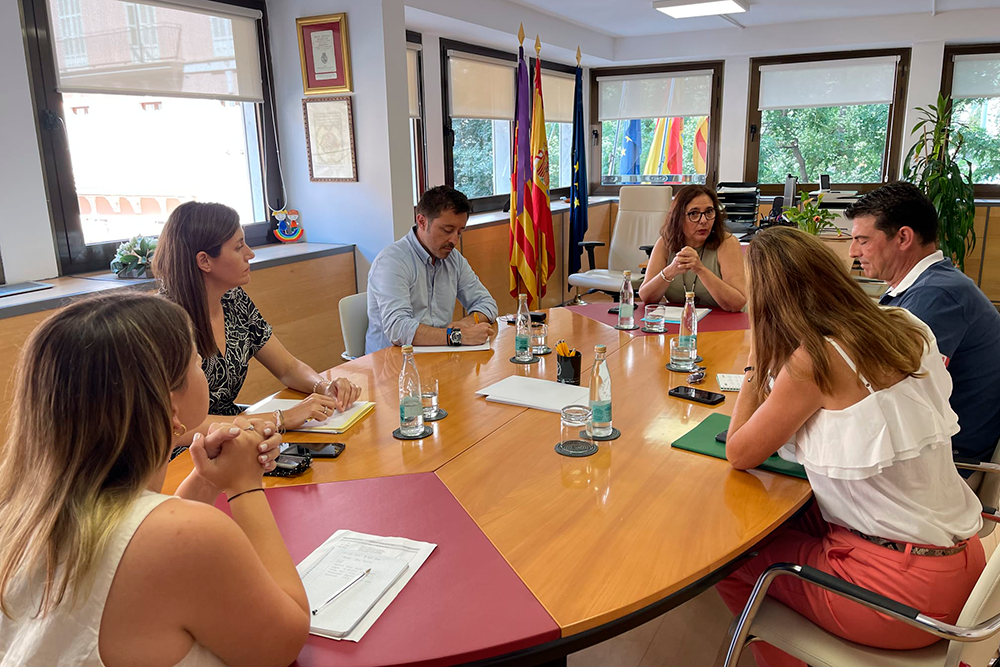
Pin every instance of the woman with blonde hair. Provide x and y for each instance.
(202, 261)
(696, 254)
(99, 569)
(862, 392)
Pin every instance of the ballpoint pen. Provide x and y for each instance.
(344, 588)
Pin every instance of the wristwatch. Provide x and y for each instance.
(454, 337)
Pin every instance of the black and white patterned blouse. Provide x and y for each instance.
(246, 333)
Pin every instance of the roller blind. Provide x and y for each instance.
(976, 76)
(655, 95)
(412, 81)
(176, 48)
(481, 87)
(557, 92)
(828, 83)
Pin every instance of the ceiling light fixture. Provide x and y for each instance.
(685, 9)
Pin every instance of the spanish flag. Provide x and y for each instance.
(545, 250)
(675, 147)
(701, 146)
(522, 228)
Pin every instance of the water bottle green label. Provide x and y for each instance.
(600, 411)
(625, 310)
(520, 344)
(410, 408)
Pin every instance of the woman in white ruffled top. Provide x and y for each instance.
(863, 393)
(99, 569)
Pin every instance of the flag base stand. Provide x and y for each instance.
(577, 300)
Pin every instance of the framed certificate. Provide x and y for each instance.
(325, 53)
(330, 139)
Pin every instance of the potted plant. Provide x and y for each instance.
(813, 219)
(933, 166)
(133, 257)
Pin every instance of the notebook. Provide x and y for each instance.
(729, 381)
(535, 393)
(672, 314)
(417, 349)
(338, 422)
(345, 554)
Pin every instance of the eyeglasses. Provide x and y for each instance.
(695, 216)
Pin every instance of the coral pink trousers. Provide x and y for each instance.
(936, 585)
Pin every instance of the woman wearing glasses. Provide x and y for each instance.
(696, 254)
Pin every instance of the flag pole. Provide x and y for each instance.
(538, 245)
(520, 41)
(577, 300)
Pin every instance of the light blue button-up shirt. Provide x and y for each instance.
(406, 289)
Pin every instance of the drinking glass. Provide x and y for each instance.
(429, 397)
(682, 356)
(539, 337)
(654, 318)
(572, 420)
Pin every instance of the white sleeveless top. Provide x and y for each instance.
(884, 467)
(69, 634)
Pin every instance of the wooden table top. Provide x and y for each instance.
(599, 537)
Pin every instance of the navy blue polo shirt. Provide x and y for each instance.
(967, 328)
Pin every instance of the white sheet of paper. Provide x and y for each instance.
(729, 381)
(535, 393)
(672, 314)
(417, 349)
(334, 421)
(324, 55)
(413, 552)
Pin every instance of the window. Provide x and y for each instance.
(972, 77)
(70, 20)
(557, 92)
(158, 115)
(838, 114)
(656, 124)
(415, 97)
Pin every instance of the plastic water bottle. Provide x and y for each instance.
(411, 406)
(689, 323)
(600, 394)
(626, 303)
(522, 338)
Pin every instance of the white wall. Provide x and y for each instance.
(26, 237)
(376, 210)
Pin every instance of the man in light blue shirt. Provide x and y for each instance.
(413, 284)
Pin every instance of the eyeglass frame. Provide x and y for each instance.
(708, 214)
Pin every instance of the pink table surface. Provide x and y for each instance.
(465, 603)
(717, 320)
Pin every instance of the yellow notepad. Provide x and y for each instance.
(338, 422)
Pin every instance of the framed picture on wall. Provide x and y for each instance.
(325, 53)
(330, 139)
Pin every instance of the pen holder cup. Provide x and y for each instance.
(568, 369)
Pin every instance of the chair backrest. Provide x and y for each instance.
(989, 492)
(354, 323)
(983, 603)
(642, 210)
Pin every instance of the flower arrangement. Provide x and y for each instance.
(810, 218)
(133, 257)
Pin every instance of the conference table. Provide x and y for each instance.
(538, 555)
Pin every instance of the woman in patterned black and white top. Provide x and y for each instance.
(202, 261)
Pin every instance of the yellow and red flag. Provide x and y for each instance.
(701, 146)
(545, 249)
(656, 149)
(674, 163)
(522, 228)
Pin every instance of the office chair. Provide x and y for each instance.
(354, 324)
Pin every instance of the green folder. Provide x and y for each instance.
(701, 439)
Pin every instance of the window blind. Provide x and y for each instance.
(828, 83)
(557, 93)
(412, 81)
(176, 48)
(655, 95)
(976, 75)
(481, 87)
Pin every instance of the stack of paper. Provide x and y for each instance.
(534, 393)
(673, 314)
(338, 422)
(392, 562)
(417, 349)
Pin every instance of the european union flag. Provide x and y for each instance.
(631, 150)
(578, 188)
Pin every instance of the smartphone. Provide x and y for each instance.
(697, 395)
(322, 450)
(721, 437)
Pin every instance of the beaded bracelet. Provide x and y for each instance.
(318, 383)
(241, 493)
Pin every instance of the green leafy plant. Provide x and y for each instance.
(134, 255)
(810, 218)
(932, 165)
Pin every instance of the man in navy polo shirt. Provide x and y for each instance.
(895, 239)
